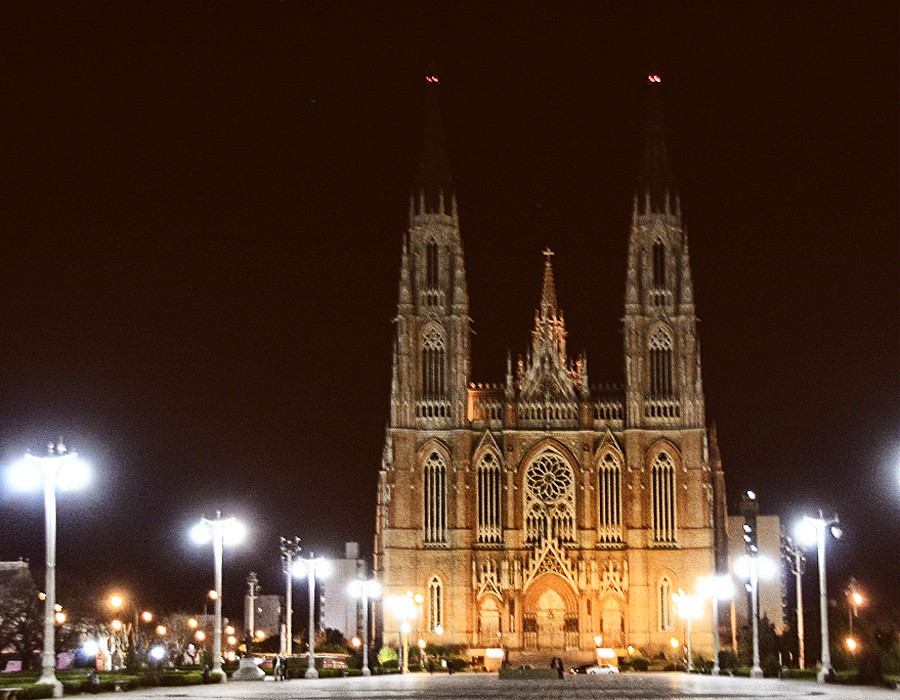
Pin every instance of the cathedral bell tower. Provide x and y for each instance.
(663, 382)
(432, 346)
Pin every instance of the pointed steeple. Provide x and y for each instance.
(434, 191)
(548, 288)
(657, 193)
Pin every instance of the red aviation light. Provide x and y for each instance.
(432, 79)
(653, 78)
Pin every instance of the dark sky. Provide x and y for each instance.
(202, 206)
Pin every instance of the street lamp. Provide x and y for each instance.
(751, 567)
(854, 600)
(290, 548)
(798, 568)
(220, 530)
(310, 568)
(718, 588)
(365, 590)
(58, 469)
(689, 608)
(404, 609)
(813, 530)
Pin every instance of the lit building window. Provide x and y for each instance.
(433, 365)
(609, 498)
(488, 494)
(663, 495)
(435, 604)
(660, 364)
(666, 612)
(435, 510)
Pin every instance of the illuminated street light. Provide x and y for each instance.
(59, 469)
(311, 568)
(690, 607)
(365, 590)
(752, 567)
(404, 609)
(220, 530)
(812, 530)
(290, 548)
(718, 588)
(854, 600)
(852, 644)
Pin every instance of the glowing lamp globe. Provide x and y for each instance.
(200, 533)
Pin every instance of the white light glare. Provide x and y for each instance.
(90, 648)
(200, 533)
(24, 475)
(73, 474)
(157, 653)
(233, 532)
(807, 532)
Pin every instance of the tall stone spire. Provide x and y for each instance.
(662, 352)
(433, 324)
(434, 191)
(548, 288)
(657, 192)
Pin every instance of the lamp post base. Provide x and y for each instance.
(248, 671)
(311, 672)
(825, 674)
(756, 672)
(51, 680)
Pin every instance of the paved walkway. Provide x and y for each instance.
(472, 686)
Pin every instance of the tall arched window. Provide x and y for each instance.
(663, 494)
(435, 604)
(435, 478)
(489, 529)
(660, 364)
(659, 265)
(433, 365)
(549, 499)
(432, 281)
(665, 605)
(610, 498)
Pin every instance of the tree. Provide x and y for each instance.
(21, 623)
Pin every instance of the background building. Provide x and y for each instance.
(540, 511)
(770, 586)
(340, 611)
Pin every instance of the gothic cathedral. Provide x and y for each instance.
(547, 512)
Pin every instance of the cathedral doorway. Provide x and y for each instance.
(612, 624)
(550, 615)
(489, 623)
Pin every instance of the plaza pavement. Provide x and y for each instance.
(478, 686)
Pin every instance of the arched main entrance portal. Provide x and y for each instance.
(550, 614)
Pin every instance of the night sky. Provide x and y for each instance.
(202, 207)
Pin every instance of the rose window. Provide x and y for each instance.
(549, 479)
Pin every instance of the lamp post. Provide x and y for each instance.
(798, 568)
(813, 530)
(404, 609)
(718, 588)
(59, 469)
(290, 548)
(219, 530)
(311, 568)
(854, 600)
(751, 568)
(365, 589)
(688, 608)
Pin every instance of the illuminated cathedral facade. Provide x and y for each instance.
(548, 512)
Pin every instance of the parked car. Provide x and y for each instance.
(602, 669)
(580, 669)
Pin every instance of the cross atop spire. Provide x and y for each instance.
(548, 288)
